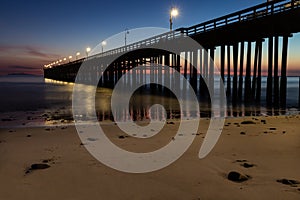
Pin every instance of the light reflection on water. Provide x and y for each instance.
(53, 99)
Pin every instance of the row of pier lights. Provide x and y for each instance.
(68, 59)
(173, 13)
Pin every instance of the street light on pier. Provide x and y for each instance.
(77, 54)
(126, 32)
(103, 43)
(87, 51)
(173, 13)
(65, 59)
(70, 57)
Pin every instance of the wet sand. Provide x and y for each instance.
(266, 151)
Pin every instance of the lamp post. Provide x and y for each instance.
(87, 51)
(126, 32)
(103, 43)
(173, 13)
(70, 57)
(77, 54)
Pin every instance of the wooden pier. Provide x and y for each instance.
(235, 34)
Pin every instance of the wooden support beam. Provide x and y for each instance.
(241, 76)
(247, 91)
(276, 78)
(235, 72)
(228, 90)
(258, 90)
(269, 93)
(212, 71)
(254, 78)
(283, 79)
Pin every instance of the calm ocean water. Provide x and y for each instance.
(31, 98)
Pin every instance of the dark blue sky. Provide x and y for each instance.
(35, 32)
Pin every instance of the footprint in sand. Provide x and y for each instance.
(290, 182)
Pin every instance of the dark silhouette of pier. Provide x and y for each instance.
(235, 33)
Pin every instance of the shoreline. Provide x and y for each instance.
(25, 119)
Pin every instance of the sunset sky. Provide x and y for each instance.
(35, 32)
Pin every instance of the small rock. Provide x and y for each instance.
(242, 133)
(48, 160)
(247, 165)
(121, 137)
(28, 135)
(283, 132)
(237, 177)
(241, 161)
(170, 123)
(47, 129)
(272, 129)
(263, 121)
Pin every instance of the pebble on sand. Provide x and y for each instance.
(263, 121)
(247, 165)
(237, 177)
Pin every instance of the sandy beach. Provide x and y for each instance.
(266, 151)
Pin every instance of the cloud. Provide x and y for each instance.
(35, 52)
(22, 67)
(30, 51)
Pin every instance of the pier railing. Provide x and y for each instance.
(252, 13)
